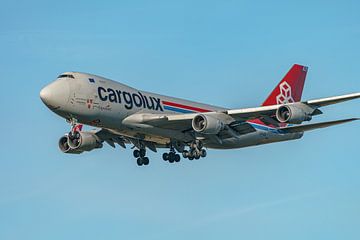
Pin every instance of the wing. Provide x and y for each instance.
(233, 117)
(309, 127)
(111, 137)
(269, 111)
(332, 100)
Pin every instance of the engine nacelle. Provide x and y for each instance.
(293, 114)
(65, 148)
(207, 124)
(79, 142)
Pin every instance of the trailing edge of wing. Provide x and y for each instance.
(332, 100)
(308, 127)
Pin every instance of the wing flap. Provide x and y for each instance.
(243, 128)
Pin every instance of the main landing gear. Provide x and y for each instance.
(196, 151)
(141, 159)
(172, 156)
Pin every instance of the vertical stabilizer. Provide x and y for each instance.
(290, 87)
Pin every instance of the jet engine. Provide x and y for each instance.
(79, 142)
(207, 124)
(65, 148)
(292, 114)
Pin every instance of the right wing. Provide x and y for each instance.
(111, 137)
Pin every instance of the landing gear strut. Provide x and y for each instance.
(196, 151)
(172, 156)
(74, 133)
(141, 159)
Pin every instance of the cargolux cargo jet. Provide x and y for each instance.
(147, 121)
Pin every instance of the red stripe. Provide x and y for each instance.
(185, 107)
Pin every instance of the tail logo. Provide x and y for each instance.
(285, 95)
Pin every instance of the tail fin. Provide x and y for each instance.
(290, 88)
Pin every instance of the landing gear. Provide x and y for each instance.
(142, 161)
(74, 134)
(139, 153)
(196, 151)
(140, 157)
(172, 156)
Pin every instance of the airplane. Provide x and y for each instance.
(148, 121)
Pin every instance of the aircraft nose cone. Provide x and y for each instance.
(45, 94)
(56, 94)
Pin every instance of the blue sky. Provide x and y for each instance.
(228, 53)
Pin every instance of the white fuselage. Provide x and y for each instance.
(100, 102)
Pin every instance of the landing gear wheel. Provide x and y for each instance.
(185, 154)
(139, 162)
(165, 156)
(145, 161)
(191, 158)
(177, 158)
(136, 153)
(203, 153)
(172, 157)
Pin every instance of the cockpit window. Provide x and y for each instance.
(65, 76)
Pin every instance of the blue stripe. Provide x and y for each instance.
(177, 109)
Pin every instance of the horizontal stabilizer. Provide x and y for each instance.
(308, 127)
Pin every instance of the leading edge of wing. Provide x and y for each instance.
(321, 102)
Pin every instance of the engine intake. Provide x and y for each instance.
(292, 114)
(207, 124)
(65, 148)
(85, 141)
(79, 142)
